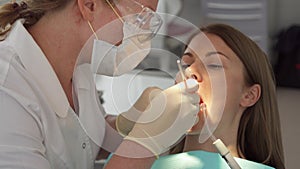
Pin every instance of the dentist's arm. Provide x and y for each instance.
(169, 115)
(21, 139)
(125, 121)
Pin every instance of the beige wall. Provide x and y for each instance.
(289, 107)
(283, 13)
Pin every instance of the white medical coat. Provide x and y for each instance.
(38, 128)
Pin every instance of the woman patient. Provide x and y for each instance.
(238, 100)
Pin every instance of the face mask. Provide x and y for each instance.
(111, 60)
(138, 30)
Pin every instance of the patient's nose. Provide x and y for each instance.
(191, 73)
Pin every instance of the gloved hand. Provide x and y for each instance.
(168, 117)
(126, 120)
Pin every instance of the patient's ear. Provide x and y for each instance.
(87, 8)
(250, 95)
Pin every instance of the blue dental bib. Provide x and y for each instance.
(201, 160)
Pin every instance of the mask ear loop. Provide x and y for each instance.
(93, 30)
(107, 1)
(111, 6)
(116, 13)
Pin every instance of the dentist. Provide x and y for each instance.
(50, 116)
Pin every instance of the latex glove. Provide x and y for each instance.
(169, 116)
(125, 121)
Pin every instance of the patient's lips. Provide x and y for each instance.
(201, 100)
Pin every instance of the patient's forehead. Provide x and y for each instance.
(201, 44)
(204, 43)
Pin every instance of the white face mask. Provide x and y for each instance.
(111, 60)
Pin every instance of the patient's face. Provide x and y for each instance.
(219, 73)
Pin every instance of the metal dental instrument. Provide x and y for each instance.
(182, 73)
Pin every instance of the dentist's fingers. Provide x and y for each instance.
(196, 121)
(154, 92)
(203, 109)
(195, 99)
(192, 85)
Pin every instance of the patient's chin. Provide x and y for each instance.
(196, 129)
(194, 132)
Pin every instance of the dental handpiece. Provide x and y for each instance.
(225, 153)
(182, 73)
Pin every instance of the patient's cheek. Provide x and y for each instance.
(178, 78)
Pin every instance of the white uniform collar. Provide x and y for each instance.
(36, 63)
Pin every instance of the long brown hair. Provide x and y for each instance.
(31, 11)
(259, 134)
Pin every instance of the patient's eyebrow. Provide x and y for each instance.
(216, 52)
(188, 54)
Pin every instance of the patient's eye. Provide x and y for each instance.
(188, 58)
(184, 66)
(215, 66)
(213, 62)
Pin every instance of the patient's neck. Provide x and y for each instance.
(192, 143)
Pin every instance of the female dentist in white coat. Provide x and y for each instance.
(50, 116)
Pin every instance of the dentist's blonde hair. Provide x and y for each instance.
(259, 134)
(29, 10)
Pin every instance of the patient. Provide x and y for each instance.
(236, 85)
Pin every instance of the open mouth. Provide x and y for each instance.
(201, 100)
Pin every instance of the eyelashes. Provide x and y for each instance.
(215, 66)
(185, 66)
